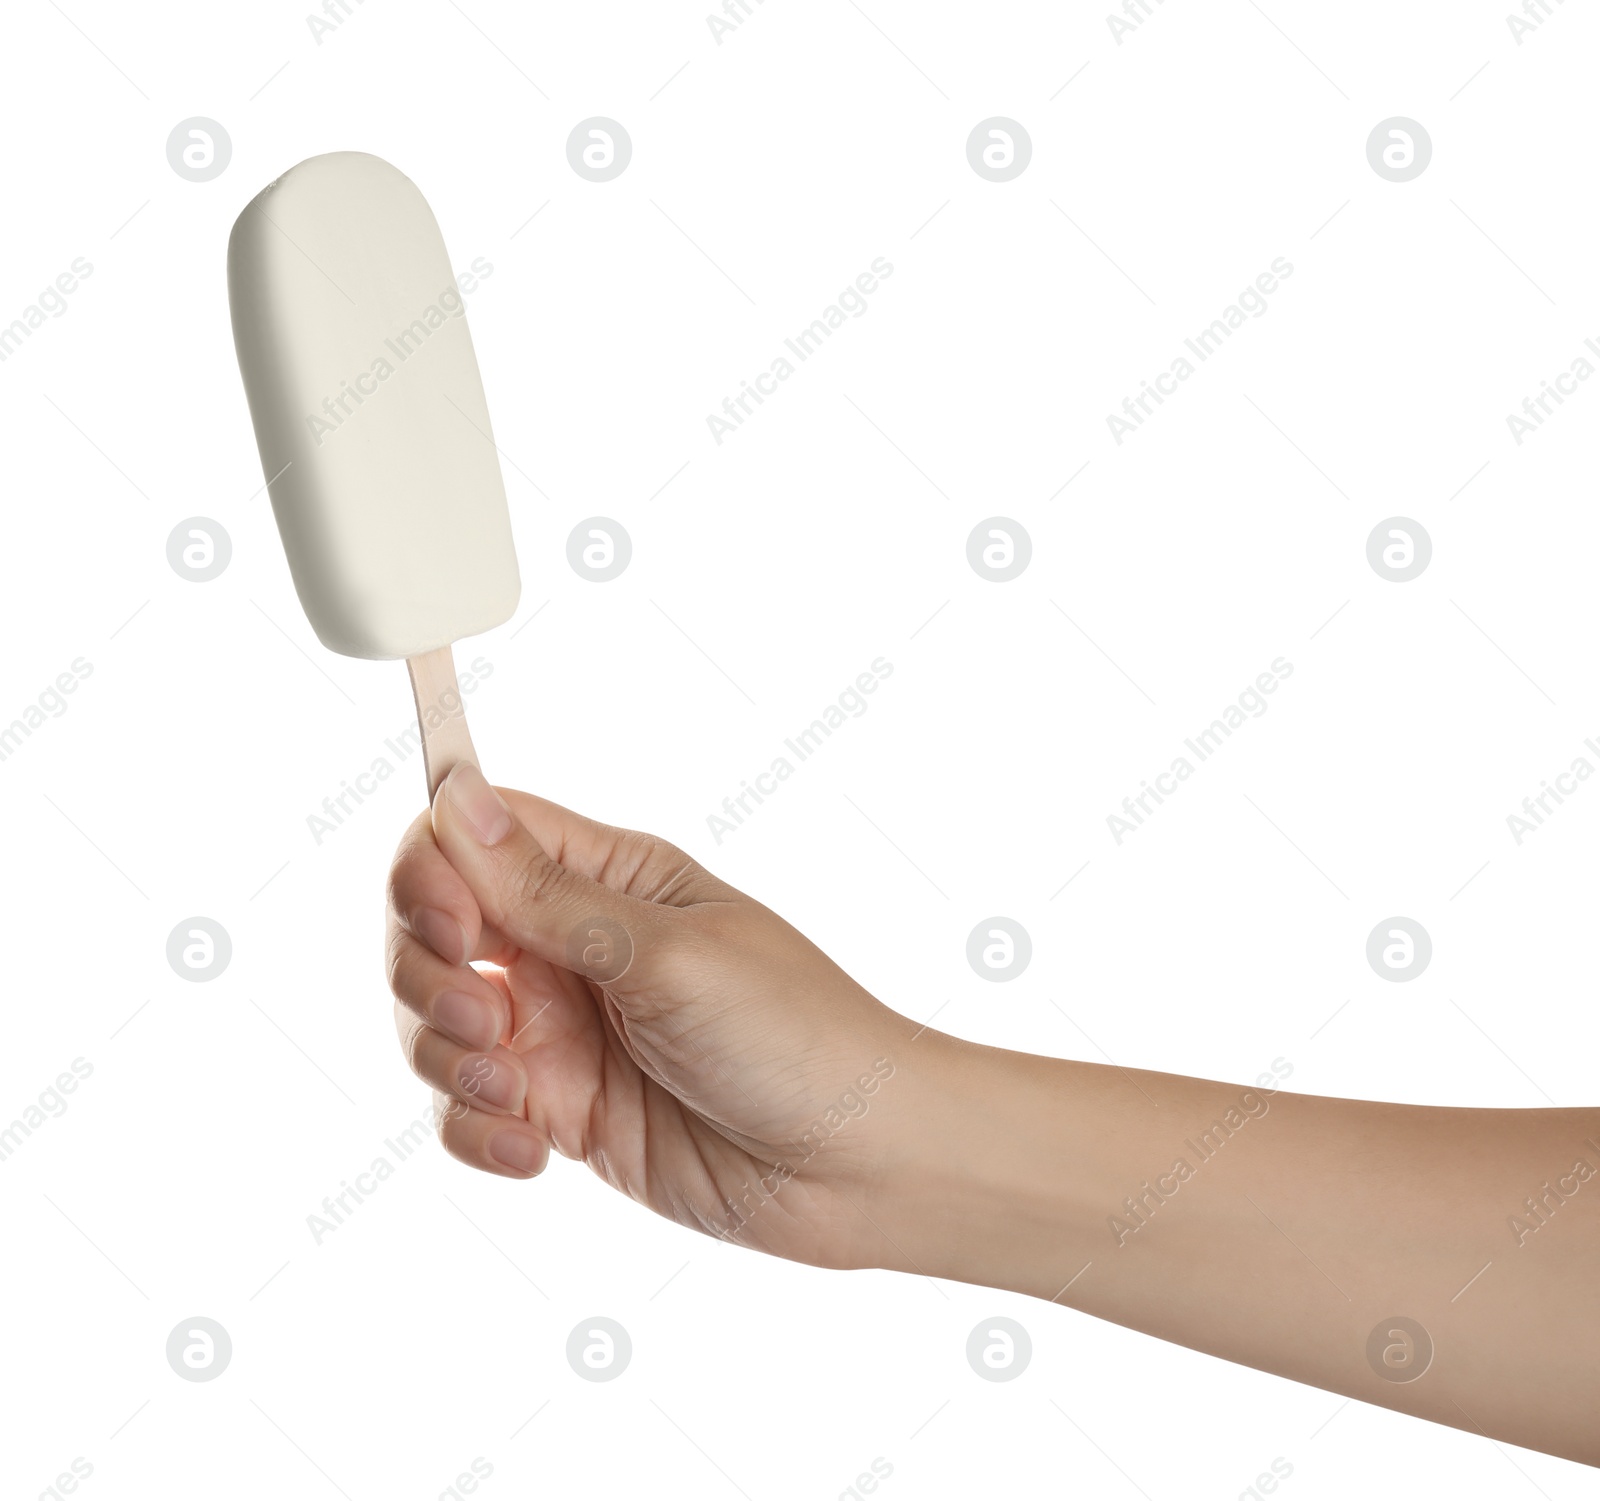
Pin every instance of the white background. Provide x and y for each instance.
(768, 171)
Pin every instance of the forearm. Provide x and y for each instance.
(1286, 1232)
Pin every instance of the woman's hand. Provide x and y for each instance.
(688, 1044)
(702, 1056)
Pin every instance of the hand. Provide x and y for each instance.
(688, 1044)
(705, 1058)
(702, 1056)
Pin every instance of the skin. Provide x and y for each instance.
(702, 1056)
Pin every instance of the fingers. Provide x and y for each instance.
(430, 898)
(490, 1079)
(539, 904)
(431, 901)
(491, 1143)
(453, 999)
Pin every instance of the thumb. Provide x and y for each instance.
(542, 906)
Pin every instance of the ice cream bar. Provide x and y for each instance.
(371, 421)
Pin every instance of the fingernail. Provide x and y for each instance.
(488, 1082)
(517, 1150)
(442, 933)
(468, 1018)
(478, 803)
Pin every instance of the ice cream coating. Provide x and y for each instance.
(369, 410)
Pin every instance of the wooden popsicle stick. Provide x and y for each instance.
(440, 715)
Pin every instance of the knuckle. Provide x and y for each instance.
(405, 870)
(449, 1120)
(655, 868)
(530, 882)
(639, 863)
(638, 848)
(413, 1035)
(396, 943)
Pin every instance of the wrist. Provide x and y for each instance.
(977, 1178)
